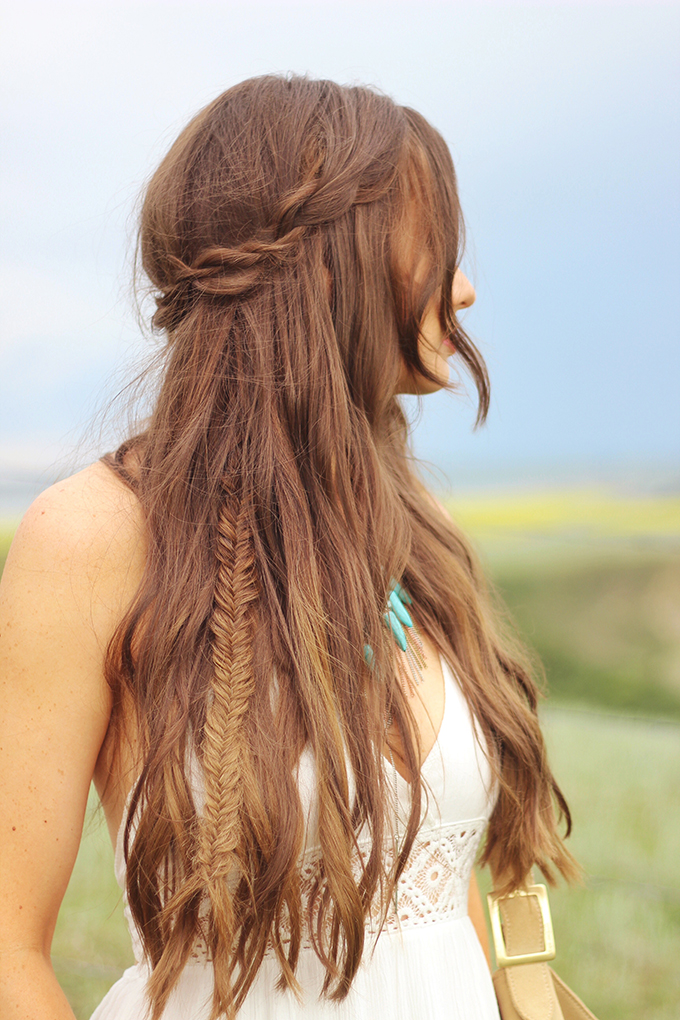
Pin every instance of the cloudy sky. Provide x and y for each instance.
(564, 123)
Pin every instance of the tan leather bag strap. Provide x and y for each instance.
(522, 931)
(528, 989)
(528, 986)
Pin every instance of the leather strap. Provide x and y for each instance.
(531, 991)
(530, 985)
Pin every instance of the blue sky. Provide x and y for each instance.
(564, 123)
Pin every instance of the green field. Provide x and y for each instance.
(593, 583)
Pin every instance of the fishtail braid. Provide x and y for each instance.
(224, 749)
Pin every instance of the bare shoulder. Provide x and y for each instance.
(88, 528)
(87, 510)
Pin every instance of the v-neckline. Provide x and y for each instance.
(435, 746)
(443, 719)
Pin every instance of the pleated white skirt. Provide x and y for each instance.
(437, 972)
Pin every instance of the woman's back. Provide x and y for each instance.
(86, 535)
(90, 540)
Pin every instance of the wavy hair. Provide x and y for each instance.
(280, 499)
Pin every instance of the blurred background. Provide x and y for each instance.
(564, 124)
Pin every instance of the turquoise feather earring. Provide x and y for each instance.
(399, 622)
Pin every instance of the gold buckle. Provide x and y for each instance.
(502, 958)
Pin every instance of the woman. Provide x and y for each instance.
(298, 757)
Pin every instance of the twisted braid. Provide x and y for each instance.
(225, 751)
(223, 272)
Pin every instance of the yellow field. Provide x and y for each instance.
(553, 513)
(591, 514)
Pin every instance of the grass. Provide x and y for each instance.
(607, 630)
(91, 944)
(593, 585)
(7, 529)
(619, 937)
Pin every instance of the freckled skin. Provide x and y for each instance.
(71, 572)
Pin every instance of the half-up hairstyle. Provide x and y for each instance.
(280, 501)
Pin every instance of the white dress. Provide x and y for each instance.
(427, 963)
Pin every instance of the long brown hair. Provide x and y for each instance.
(280, 501)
